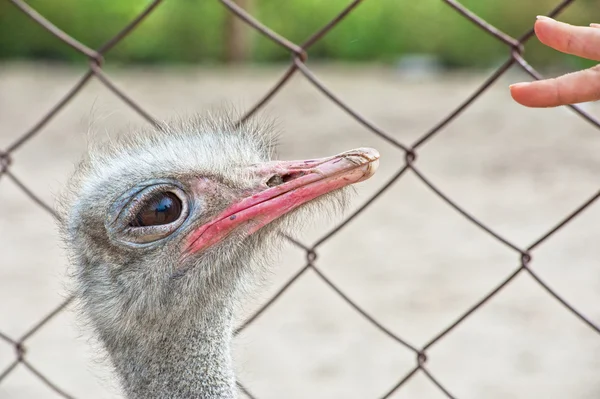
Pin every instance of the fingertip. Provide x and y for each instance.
(541, 28)
(544, 18)
(519, 93)
(516, 89)
(518, 85)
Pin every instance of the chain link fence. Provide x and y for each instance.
(299, 56)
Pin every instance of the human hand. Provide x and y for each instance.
(571, 88)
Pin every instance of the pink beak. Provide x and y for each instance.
(294, 184)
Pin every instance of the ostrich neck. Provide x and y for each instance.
(195, 364)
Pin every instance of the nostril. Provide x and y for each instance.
(277, 180)
(274, 181)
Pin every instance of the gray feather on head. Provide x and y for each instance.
(132, 206)
(125, 286)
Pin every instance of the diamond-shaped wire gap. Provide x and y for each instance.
(85, 78)
(537, 76)
(497, 74)
(362, 312)
(312, 335)
(321, 87)
(464, 105)
(466, 214)
(408, 263)
(472, 309)
(518, 337)
(513, 58)
(525, 161)
(292, 68)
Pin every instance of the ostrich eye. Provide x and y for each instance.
(148, 213)
(162, 208)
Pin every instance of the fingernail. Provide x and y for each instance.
(544, 18)
(522, 84)
(595, 25)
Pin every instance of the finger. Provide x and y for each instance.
(572, 88)
(581, 41)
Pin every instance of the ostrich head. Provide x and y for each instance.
(165, 228)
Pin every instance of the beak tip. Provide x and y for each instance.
(369, 153)
(369, 170)
(371, 156)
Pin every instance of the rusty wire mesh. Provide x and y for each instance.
(299, 57)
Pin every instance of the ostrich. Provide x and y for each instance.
(167, 229)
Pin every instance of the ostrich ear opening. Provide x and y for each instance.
(286, 186)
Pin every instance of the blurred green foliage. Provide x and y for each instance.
(191, 31)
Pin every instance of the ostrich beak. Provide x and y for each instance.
(286, 186)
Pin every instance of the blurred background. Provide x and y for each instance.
(409, 260)
(204, 32)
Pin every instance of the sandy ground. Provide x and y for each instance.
(410, 260)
